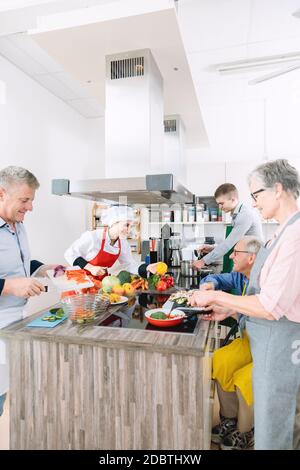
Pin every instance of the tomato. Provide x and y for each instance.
(67, 294)
(162, 298)
(161, 286)
(168, 279)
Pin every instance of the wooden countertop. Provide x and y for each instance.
(104, 336)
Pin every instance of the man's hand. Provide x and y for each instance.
(96, 270)
(198, 264)
(207, 286)
(204, 249)
(22, 287)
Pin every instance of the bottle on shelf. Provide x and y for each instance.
(200, 208)
(177, 215)
(191, 214)
(206, 215)
(184, 214)
(213, 215)
(166, 216)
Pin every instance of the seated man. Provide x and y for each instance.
(232, 364)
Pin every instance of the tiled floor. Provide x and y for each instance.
(4, 427)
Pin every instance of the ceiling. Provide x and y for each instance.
(81, 50)
(211, 32)
(220, 31)
(68, 57)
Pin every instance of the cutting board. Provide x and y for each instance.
(39, 323)
(62, 283)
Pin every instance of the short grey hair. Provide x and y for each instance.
(253, 244)
(278, 171)
(17, 175)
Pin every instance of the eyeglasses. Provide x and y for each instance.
(254, 195)
(241, 251)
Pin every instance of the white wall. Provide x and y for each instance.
(40, 132)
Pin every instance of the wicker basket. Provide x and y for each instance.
(84, 308)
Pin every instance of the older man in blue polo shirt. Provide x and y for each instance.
(17, 191)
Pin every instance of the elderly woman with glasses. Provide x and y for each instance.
(272, 306)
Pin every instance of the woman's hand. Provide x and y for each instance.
(96, 270)
(152, 268)
(203, 298)
(217, 313)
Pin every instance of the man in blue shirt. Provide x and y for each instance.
(17, 191)
(227, 282)
(235, 430)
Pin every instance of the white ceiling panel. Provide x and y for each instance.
(214, 24)
(15, 55)
(30, 47)
(272, 19)
(72, 85)
(55, 86)
(278, 46)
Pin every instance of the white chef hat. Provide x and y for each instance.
(117, 214)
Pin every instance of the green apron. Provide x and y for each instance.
(227, 262)
(227, 268)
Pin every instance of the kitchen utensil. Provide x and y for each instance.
(187, 270)
(40, 323)
(168, 321)
(63, 284)
(198, 254)
(123, 300)
(173, 306)
(83, 308)
(190, 311)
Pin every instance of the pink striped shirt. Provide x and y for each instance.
(280, 275)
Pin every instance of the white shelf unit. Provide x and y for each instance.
(188, 223)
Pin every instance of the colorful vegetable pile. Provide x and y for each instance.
(161, 283)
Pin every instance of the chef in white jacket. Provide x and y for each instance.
(99, 250)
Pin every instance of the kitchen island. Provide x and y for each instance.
(107, 387)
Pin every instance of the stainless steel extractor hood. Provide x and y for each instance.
(147, 190)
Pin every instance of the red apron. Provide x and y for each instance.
(103, 258)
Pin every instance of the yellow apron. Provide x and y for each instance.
(232, 366)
